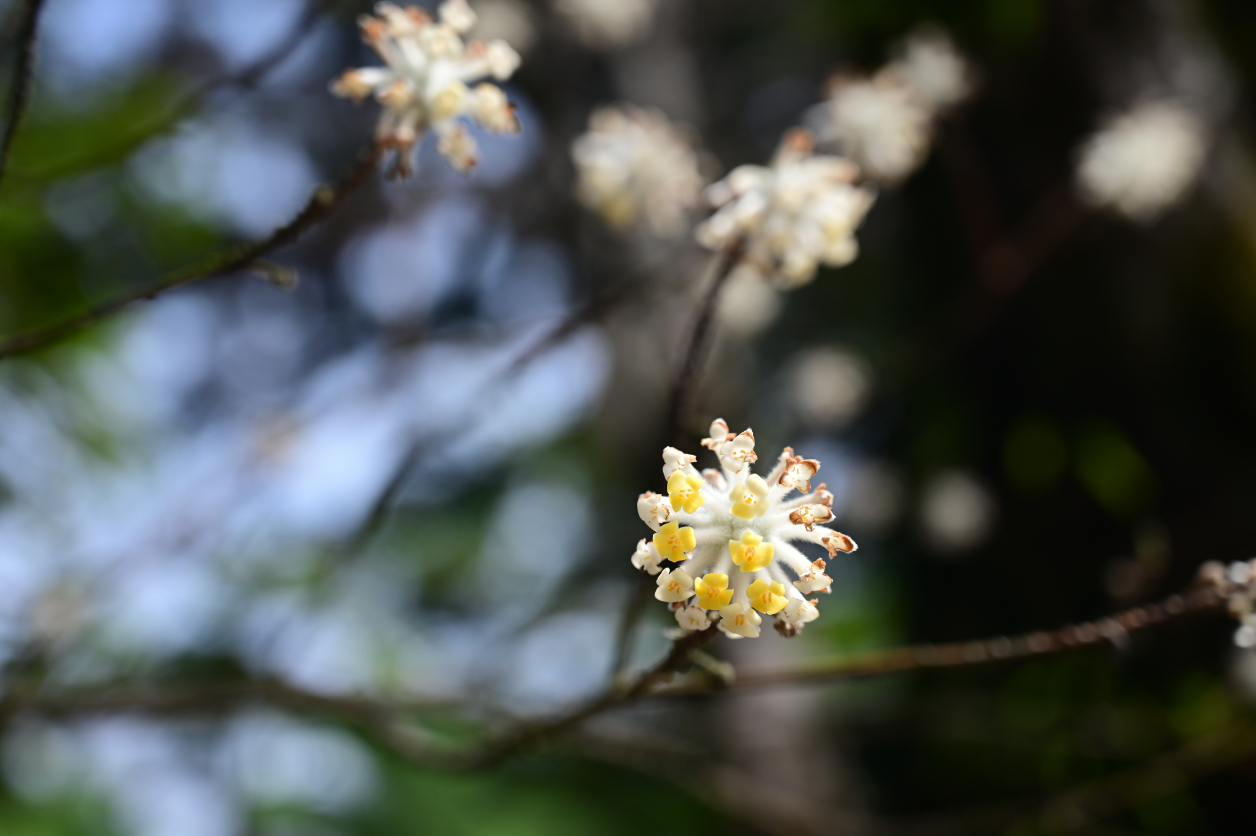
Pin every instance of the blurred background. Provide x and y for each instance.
(413, 474)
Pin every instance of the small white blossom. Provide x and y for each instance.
(692, 618)
(647, 558)
(653, 509)
(607, 23)
(809, 516)
(1143, 161)
(635, 167)
(886, 122)
(674, 585)
(716, 436)
(933, 69)
(737, 543)
(879, 123)
(674, 460)
(424, 83)
(814, 579)
(791, 217)
(798, 473)
(739, 621)
(800, 611)
(738, 452)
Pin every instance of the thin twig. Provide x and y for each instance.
(23, 74)
(1115, 628)
(184, 103)
(694, 358)
(680, 406)
(382, 721)
(388, 722)
(321, 203)
(532, 735)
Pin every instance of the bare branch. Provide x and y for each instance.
(534, 734)
(320, 205)
(384, 722)
(1115, 628)
(23, 72)
(389, 724)
(680, 407)
(694, 359)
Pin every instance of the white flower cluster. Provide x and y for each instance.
(728, 534)
(1143, 161)
(607, 23)
(635, 166)
(886, 123)
(424, 85)
(791, 217)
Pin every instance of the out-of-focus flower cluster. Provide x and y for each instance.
(635, 167)
(424, 83)
(728, 536)
(1237, 584)
(885, 123)
(786, 219)
(791, 217)
(1143, 161)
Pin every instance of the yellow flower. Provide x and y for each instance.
(749, 498)
(750, 554)
(767, 598)
(712, 591)
(685, 491)
(672, 541)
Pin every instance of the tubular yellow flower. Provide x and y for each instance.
(750, 498)
(684, 490)
(767, 597)
(673, 542)
(750, 553)
(712, 591)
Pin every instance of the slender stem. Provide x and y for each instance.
(23, 73)
(680, 406)
(383, 721)
(184, 103)
(320, 205)
(387, 722)
(1114, 628)
(532, 735)
(694, 359)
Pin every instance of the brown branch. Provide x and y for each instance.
(384, 722)
(1115, 628)
(387, 722)
(320, 205)
(23, 73)
(182, 104)
(535, 734)
(680, 405)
